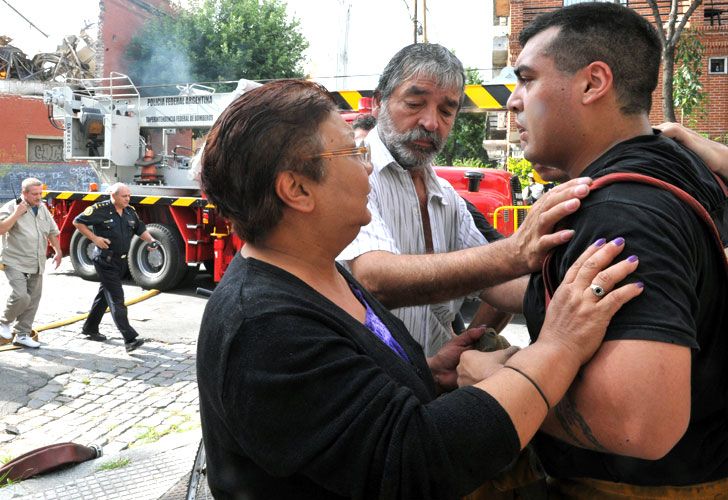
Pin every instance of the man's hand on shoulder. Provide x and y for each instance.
(538, 235)
(714, 154)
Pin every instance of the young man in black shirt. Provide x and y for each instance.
(657, 390)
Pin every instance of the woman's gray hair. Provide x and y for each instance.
(424, 60)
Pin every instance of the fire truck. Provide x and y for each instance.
(107, 123)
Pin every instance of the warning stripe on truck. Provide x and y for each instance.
(492, 97)
(181, 201)
(348, 100)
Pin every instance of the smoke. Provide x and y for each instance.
(156, 61)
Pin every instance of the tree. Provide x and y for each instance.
(669, 33)
(464, 146)
(520, 167)
(688, 93)
(218, 40)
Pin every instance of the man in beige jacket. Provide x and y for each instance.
(26, 227)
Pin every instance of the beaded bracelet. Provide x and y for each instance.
(548, 406)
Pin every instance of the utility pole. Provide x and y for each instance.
(424, 17)
(414, 20)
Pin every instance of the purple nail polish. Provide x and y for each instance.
(639, 284)
(632, 258)
(618, 241)
(600, 242)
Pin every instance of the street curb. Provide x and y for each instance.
(153, 469)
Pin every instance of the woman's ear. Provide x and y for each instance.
(599, 81)
(294, 191)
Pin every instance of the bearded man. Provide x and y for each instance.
(422, 255)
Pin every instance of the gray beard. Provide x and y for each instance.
(409, 156)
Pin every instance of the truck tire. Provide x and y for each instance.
(163, 268)
(80, 253)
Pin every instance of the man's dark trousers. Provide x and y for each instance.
(110, 270)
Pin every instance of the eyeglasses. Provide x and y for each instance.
(363, 153)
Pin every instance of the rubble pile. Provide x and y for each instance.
(74, 58)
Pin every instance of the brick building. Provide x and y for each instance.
(26, 135)
(30, 137)
(119, 21)
(709, 20)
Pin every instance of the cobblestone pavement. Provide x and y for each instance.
(95, 393)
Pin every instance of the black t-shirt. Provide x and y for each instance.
(486, 229)
(685, 302)
(106, 222)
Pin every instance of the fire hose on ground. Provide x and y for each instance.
(57, 324)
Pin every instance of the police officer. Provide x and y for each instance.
(114, 224)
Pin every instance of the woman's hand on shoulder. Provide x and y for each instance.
(588, 298)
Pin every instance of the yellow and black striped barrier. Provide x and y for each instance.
(478, 98)
(175, 201)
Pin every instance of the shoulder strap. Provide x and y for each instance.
(721, 183)
(684, 196)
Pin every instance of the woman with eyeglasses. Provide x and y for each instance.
(309, 387)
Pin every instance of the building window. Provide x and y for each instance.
(718, 65)
(45, 149)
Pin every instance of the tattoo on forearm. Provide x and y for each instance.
(575, 426)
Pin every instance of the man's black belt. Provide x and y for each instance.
(107, 256)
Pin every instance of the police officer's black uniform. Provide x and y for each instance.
(111, 264)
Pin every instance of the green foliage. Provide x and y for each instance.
(468, 162)
(465, 143)
(152, 434)
(4, 479)
(688, 93)
(520, 167)
(114, 464)
(218, 40)
(723, 138)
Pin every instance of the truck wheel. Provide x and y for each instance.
(81, 250)
(162, 268)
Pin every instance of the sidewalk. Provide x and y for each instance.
(141, 408)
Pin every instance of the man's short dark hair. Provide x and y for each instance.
(421, 59)
(608, 32)
(365, 122)
(268, 130)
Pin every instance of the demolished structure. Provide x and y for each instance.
(74, 58)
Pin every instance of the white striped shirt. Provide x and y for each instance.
(396, 227)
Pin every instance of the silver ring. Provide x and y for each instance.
(597, 290)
